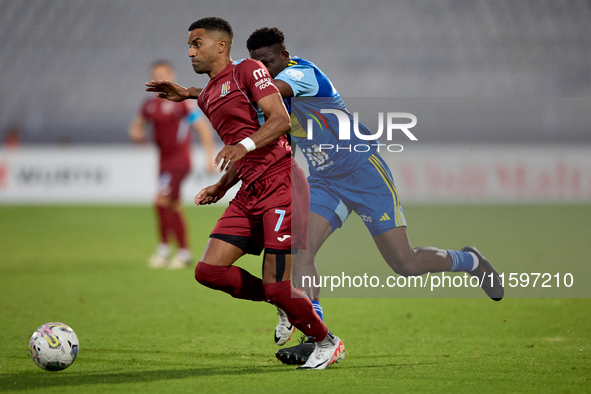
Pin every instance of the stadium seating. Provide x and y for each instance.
(73, 71)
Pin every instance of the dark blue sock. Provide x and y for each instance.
(462, 261)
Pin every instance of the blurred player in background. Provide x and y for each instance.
(171, 124)
(262, 215)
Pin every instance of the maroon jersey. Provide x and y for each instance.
(229, 100)
(172, 131)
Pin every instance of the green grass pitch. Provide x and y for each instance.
(150, 331)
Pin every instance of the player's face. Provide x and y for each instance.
(274, 58)
(202, 50)
(162, 73)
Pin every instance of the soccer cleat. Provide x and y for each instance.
(157, 261)
(326, 352)
(176, 263)
(284, 329)
(296, 355)
(492, 286)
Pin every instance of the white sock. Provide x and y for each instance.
(328, 341)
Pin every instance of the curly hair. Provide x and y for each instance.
(265, 37)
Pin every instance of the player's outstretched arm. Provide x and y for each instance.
(275, 126)
(213, 193)
(172, 91)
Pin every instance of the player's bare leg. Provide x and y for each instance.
(319, 229)
(220, 253)
(405, 260)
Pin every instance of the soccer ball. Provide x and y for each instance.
(54, 346)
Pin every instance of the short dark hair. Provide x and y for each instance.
(213, 24)
(265, 37)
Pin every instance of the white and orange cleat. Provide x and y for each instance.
(327, 352)
(284, 329)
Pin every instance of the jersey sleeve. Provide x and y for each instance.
(255, 77)
(301, 79)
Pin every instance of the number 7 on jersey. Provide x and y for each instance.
(281, 213)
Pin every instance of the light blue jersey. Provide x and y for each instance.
(341, 179)
(308, 81)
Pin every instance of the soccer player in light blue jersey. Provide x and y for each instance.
(342, 181)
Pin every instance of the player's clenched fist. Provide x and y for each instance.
(210, 195)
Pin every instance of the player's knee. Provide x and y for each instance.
(206, 274)
(201, 273)
(404, 266)
(305, 258)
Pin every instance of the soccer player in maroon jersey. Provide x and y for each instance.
(261, 215)
(171, 123)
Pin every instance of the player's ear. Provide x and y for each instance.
(221, 45)
(285, 56)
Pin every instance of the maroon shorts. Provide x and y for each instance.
(169, 182)
(263, 214)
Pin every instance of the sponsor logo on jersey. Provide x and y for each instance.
(263, 83)
(225, 89)
(259, 73)
(296, 75)
(283, 238)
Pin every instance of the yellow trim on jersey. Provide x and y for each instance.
(384, 174)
